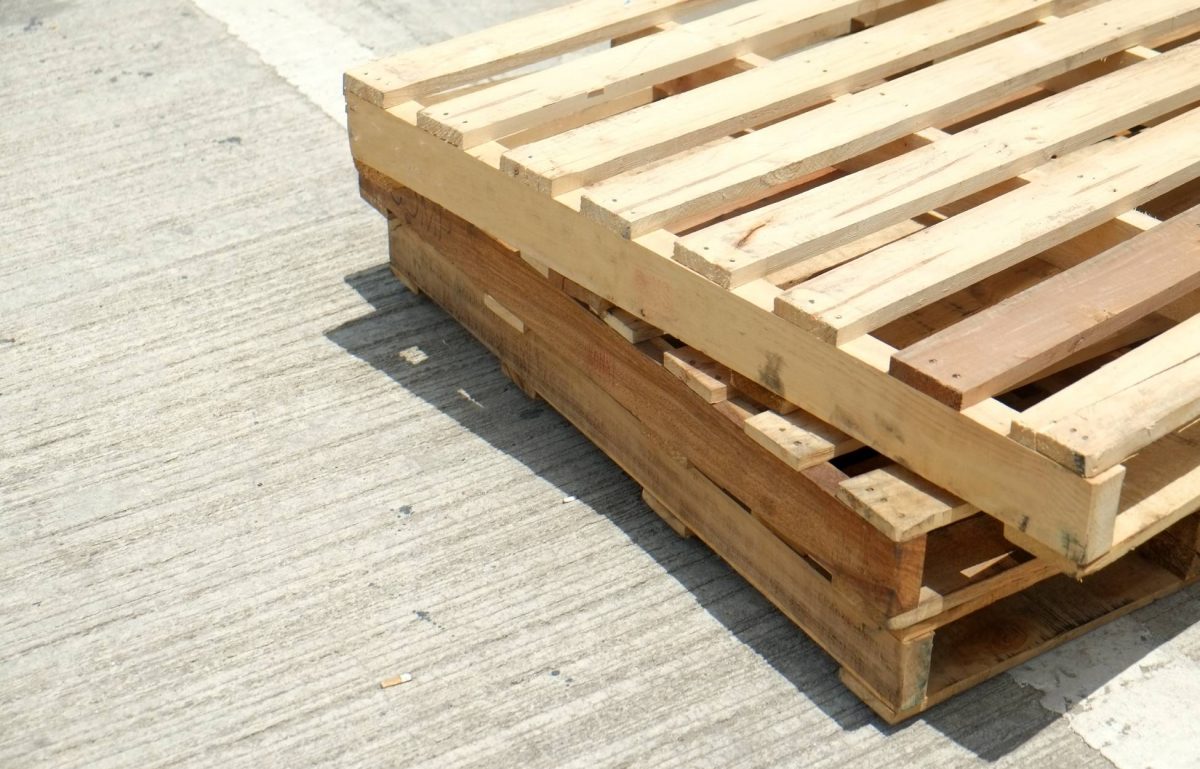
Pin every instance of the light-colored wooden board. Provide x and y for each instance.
(587, 154)
(768, 238)
(747, 169)
(604, 75)
(505, 314)
(396, 79)
(1071, 196)
(629, 326)
(1120, 409)
(1015, 339)
(901, 504)
(703, 375)
(799, 440)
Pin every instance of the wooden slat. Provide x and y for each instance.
(505, 314)
(798, 439)
(1112, 413)
(630, 326)
(996, 349)
(900, 503)
(605, 75)
(411, 75)
(966, 453)
(747, 168)
(1073, 196)
(703, 375)
(763, 240)
(586, 154)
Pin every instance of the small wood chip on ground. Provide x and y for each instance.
(403, 678)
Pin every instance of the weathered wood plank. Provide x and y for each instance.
(584, 155)
(411, 75)
(1010, 341)
(1109, 415)
(746, 169)
(538, 97)
(1069, 197)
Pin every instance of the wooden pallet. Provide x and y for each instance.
(816, 193)
(916, 605)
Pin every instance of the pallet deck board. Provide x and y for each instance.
(1003, 345)
(396, 79)
(1072, 196)
(525, 101)
(854, 123)
(1124, 406)
(589, 153)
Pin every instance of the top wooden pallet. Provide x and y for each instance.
(893, 213)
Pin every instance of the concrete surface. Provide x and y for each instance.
(245, 476)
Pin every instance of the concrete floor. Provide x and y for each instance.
(245, 476)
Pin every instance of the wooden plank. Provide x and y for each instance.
(1010, 341)
(599, 77)
(412, 75)
(901, 504)
(877, 574)
(799, 440)
(589, 153)
(765, 239)
(966, 453)
(703, 375)
(629, 326)
(505, 314)
(1116, 411)
(770, 157)
(1071, 196)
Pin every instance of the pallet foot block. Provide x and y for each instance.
(892, 305)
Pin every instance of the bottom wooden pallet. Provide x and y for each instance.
(498, 296)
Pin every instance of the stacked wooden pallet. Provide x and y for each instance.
(893, 303)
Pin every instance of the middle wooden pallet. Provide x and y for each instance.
(719, 174)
